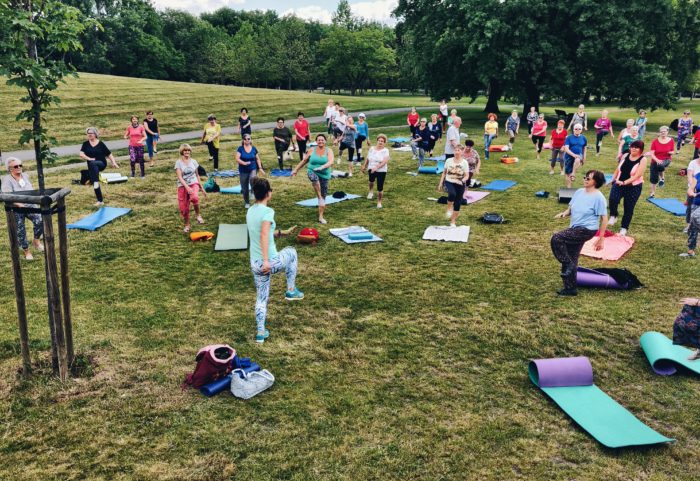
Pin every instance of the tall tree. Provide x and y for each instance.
(293, 51)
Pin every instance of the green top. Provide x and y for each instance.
(255, 217)
(316, 161)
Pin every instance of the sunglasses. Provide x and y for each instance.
(588, 178)
(246, 138)
(17, 166)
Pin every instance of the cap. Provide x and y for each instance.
(362, 116)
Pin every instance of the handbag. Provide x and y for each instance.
(287, 154)
(492, 218)
(246, 385)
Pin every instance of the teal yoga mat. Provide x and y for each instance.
(569, 383)
(236, 189)
(664, 356)
(232, 237)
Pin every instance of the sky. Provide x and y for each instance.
(321, 10)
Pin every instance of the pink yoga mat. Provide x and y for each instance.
(472, 196)
(615, 247)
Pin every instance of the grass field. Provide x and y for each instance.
(406, 360)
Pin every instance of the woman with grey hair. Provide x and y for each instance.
(579, 117)
(18, 181)
(96, 153)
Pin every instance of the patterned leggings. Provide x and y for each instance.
(694, 227)
(22, 231)
(630, 194)
(566, 246)
(136, 156)
(286, 259)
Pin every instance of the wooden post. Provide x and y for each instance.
(53, 290)
(19, 291)
(65, 278)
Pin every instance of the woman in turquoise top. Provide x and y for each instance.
(264, 258)
(362, 135)
(320, 160)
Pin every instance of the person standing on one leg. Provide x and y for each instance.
(574, 153)
(347, 142)
(454, 179)
(685, 128)
(153, 137)
(137, 136)
(627, 183)
(435, 129)
(362, 135)
(512, 127)
(661, 151)
(694, 226)
(320, 159)
(603, 127)
(692, 169)
(631, 136)
(96, 153)
(538, 134)
(211, 136)
(283, 138)
(249, 164)
(589, 215)
(421, 141)
(264, 258)
(188, 186)
(302, 133)
(377, 165)
(490, 133)
(557, 138)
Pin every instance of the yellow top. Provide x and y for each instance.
(491, 127)
(211, 131)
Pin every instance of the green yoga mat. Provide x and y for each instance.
(569, 383)
(232, 237)
(664, 356)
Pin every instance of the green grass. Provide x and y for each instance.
(107, 102)
(406, 360)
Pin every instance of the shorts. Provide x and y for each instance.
(656, 169)
(323, 183)
(379, 177)
(337, 132)
(511, 134)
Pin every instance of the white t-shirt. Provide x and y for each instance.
(329, 111)
(339, 121)
(443, 110)
(455, 172)
(375, 157)
(693, 168)
(452, 134)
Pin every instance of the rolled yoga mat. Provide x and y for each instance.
(236, 189)
(436, 169)
(569, 383)
(664, 356)
(606, 278)
(224, 384)
(97, 219)
(674, 206)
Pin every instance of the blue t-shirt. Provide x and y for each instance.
(248, 157)
(696, 199)
(587, 208)
(256, 215)
(362, 129)
(576, 145)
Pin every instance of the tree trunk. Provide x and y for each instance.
(532, 97)
(494, 95)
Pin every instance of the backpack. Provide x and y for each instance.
(201, 171)
(211, 186)
(213, 362)
(308, 235)
(492, 218)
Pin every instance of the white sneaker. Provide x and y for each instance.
(322, 221)
(448, 214)
(247, 206)
(379, 206)
(349, 174)
(453, 224)
(685, 231)
(612, 220)
(370, 195)
(623, 232)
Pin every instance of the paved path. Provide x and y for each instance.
(67, 150)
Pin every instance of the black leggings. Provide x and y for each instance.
(281, 148)
(598, 140)
(302, 147)
(214, 154)
(94, 169)
(455, 193)
(566, 247)
(630, 194)
(379, 177)
(538, 140)
(351, 151)
(358, 145)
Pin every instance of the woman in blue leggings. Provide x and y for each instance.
(264, 258)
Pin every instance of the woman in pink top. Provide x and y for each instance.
(137, 137)
(301, 131)
(413, 119)
(627, 184)
(603, 127)
(662, 149)
(538, 134)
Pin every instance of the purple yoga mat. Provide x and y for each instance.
(591, 278)
(562, 371)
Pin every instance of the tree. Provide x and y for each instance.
(294, 54)
(342, 17)
(35, 39)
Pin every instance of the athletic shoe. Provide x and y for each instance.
(623, 232)
(349, 174)
(567, 292)
(322, 221)
(448, 214)
(28, 255)
(612, 220)
(99, 203)
(687, 255)
(452, 224)
(379, 206)
(247, 206)
(370, 195)
(695, 355)
(651, 196)
(661, 182)
(261, 336)
(551, 172)
(685, 231)
(561, 172)
(295, 295)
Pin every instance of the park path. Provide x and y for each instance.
(67, 150)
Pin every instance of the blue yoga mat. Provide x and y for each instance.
(224, 173)
(224, 384)
(281, 172)
(354, 234)
(97, 219)
(329, 200)
(437, 169)
(236, 189)
(436, 157)
(674, 206)
(608, 178)
(400, 139)
(500, 185)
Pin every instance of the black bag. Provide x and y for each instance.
(339, 194)
(85, 177)
(492, 218)
(201, 171)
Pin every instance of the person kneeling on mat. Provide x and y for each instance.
(454, 178)
(589, 213)
(376, 163)
(264, 258)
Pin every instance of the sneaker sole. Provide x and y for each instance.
(294, 298)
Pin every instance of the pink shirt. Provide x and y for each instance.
(539, 128)
(602, 125)
(135, 135)
(302, 126)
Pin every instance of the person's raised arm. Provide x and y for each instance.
(303, 162)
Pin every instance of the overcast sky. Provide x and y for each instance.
(320, 10)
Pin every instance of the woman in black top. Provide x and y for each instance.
(96, 153)
(244, 123)
(627, 184)
(152, 136)
(283, 137)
